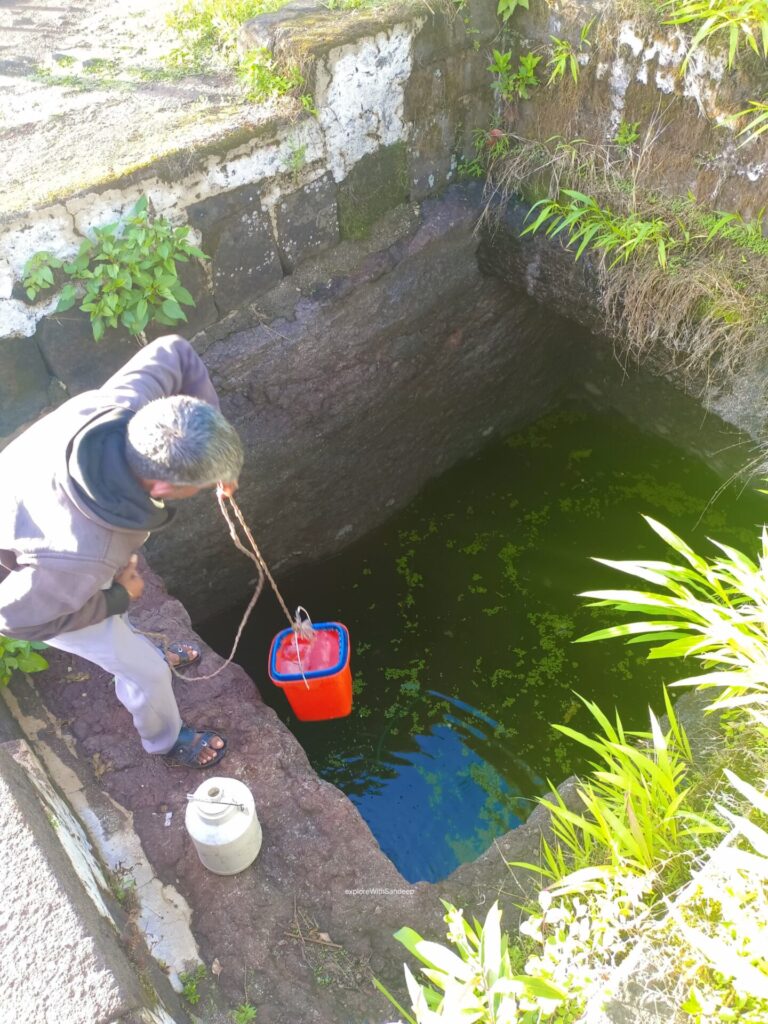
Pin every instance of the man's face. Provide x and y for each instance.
(164, 491)
(175, 492)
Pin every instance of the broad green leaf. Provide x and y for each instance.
(182, 295)
(173, 310)
(435, 955)
(67, 298)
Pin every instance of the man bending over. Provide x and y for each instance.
(81, 491)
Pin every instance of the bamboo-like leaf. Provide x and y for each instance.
(624, 629)
(677, 543)
(757, 799)
(388, 995)
(678, 648)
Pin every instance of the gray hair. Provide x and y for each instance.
(184, 441)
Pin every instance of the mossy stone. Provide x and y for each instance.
(377, 183)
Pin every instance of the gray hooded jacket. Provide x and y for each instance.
(58, 557)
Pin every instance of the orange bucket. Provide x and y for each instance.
(322, 686)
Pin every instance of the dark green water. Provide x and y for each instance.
(462, 612)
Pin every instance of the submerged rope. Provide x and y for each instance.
(263, 570)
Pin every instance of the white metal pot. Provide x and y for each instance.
(221, 819)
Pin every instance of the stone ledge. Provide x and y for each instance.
(62, 961)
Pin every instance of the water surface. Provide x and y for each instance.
(462, 613)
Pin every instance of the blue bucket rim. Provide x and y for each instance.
(278, 678)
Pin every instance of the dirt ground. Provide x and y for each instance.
(88, 92)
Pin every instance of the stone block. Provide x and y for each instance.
(237, 235)
(204, 311)
(440, 88)
(262, 31)
(307, 221)
(377, 183)
(467, 28)
(79, 362)
(430, 156)
(23, 383)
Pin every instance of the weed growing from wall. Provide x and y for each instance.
(588, 225)
(627, 134)
(564, 57)
(125, 275)
(190, 981)
(506, 8)
(21, 656)
(262, 79)
(676, 280)
(514, 82)
(740, 22)
(757, 113)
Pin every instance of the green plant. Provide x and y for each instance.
(243, 1014)
(739, 20)
(21, 655)
(480, 982)
(38, 273)
(123, 886)
(506, 8)
(297, 158)
(757, 110)
(493, 144)
(208, 29)
(125, 275)
(714, 611)
(627, 134)
(262, 79)
(511, 83)
(715, 933)
(634, 799)
(588, 225)
(189, 982)
(564, 56)
(563, 59)
(583, 928)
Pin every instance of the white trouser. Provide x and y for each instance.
(142, 676)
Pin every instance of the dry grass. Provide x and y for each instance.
(695, 315)
(706, 313)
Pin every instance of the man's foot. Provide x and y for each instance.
(196, 749)
(209, 750)
(181, 654)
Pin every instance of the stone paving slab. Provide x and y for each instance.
(62, 962)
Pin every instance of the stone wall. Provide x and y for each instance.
(359, 344)
(634, 71)
(342, 314)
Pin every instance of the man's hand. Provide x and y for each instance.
(131, 579)
(227, 488)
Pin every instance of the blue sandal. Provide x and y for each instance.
(188, 653)
(186, 750)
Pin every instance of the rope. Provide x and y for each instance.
(256, 557)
